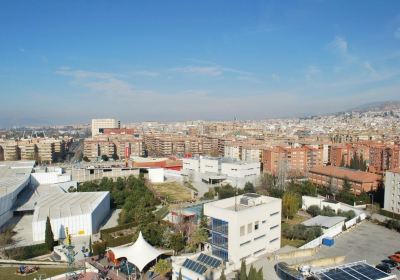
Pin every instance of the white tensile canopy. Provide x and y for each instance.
(140, 253)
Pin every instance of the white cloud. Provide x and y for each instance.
(276, 77)
(202, 70)
(98, 82)
(370, 68)
(311, 72)
(146, 73)
(341, 46)
(397, 33)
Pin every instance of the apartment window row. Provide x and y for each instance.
(274, 240)
(245, 243)
(273, 227)
(259, 237)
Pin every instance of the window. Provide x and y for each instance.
(259, 237)
(274, 227)
(274, 214)
(245, 243)
(256, 225)
(264, 221)
(249, 228)
(274, 240)
(242, 231)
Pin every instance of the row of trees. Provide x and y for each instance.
(314, 210)
(356, 163)
(301, 232)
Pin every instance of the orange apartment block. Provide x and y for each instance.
(293, 160)
(359, 180)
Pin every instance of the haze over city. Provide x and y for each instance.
(65, 62)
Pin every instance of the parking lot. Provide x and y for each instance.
(367, 241)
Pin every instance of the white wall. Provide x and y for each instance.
(236, 219)
(191, 164)
(45, 178)
(241, 170)
(209, 165)
(156, 175)
(392, 192)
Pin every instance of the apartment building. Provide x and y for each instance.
(11, 150)
(291, 160)
(392, 191)
(98, 125)
(29, 151)
(335, 176)
(95, 148)
(245, 226)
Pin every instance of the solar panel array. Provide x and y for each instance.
(194, 266)
(208, 260)
(359, 271)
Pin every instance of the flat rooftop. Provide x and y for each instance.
(60, 205)
(242, 202)
(13, 174)
(324, 221)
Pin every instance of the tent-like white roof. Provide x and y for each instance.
(139, 254)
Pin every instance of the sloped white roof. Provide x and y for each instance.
(140, 253)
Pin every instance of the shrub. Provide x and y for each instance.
(27, 252)
(313, 210)
(99, 247)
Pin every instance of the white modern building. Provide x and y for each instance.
(81, 212)
(156, 175)
(14, 177)
(99, 124)
(392, 191)
(240, 169)
(233, 151)
(244, 227)
(251, 154)
(209, 164)
(192, 164)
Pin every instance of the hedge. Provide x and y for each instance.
(389, 214)
(107, 231)
(27, 252)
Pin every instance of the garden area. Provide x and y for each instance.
(172, 192)
(45, 272)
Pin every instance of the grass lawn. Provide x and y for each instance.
(9, 273)
(296, 220)
(295, 242)
(173, 191)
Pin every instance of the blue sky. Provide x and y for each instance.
(64, 62)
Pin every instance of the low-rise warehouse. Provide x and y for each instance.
(81, 212)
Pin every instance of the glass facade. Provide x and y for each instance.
(219, 238)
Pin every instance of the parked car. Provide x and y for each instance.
(384, 268)
(395, 258)
(390, 263)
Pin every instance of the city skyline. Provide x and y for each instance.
(68, 63)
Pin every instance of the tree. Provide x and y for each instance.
(243, 273)
(104, 157)
(49, 236)
(222, 277)
(197, 238)
(249, 188)
(313, 210)
(342, 162)
(180, 275)
(162, 267)
(290, 204)
(252, 273)
(346, 185)
(260, 275)
(90, 246)
(85, 158)
(177, 242)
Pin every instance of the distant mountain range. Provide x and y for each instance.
(377, 106)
